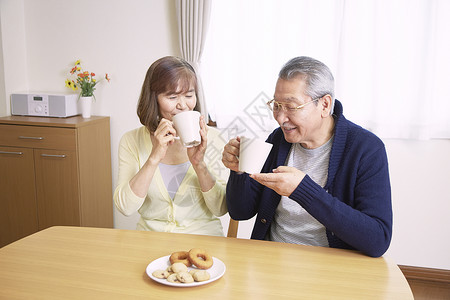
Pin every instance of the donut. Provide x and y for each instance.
(180, 256)
(200, 259)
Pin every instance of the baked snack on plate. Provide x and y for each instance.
(186, 268)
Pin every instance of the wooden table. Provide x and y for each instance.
(93, 263)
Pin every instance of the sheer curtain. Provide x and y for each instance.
(193, 19)
(389, 58)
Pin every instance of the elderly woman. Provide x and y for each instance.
(174, 189)
(326, 180)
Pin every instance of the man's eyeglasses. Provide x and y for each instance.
(276, 106)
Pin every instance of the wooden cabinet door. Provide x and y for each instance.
(57, 188)
(18, 209)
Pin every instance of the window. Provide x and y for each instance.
(389, 59)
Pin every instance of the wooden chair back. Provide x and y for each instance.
(233, 228)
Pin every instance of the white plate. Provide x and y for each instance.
(216, 271)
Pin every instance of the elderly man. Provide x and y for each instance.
(326, 180)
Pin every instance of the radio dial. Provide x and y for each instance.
(38, 109)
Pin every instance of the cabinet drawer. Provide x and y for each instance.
(38, 137)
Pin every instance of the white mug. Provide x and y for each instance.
(187, 125)
(253, 153)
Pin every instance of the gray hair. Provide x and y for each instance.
(318, 77)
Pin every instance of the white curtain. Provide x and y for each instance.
(389, 58)
(193, 19)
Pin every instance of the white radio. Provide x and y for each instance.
(44, 105)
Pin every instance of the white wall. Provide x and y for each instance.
(14, 66)
(420, 179)
(40, 39)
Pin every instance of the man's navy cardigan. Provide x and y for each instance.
(355, 204)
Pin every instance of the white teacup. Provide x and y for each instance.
(253, 153)
(187, 126)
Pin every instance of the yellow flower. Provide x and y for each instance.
(71, 84)
(77, 62)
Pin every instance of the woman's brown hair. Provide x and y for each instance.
(164, 76)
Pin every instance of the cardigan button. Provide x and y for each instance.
(264, 221)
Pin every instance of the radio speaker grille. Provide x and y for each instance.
(56, 105)
(20, 105)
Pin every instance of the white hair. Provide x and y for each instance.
(318, 77)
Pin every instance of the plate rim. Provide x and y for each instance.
(192, 284)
